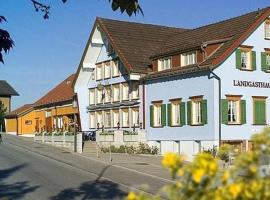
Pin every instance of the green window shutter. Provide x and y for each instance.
(243, 111)
(189, 112)
(263, 61)
(169, 107)
(238, 59)
(151, 116)
(253, 54)
(257, 112)
(224, 107)
(263, 112)
(182, 113)
(163, 114)
(204, 111)
(260, 114)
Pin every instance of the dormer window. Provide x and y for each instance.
(267, 29)
(244, 59)
(165, 63)
(188, 58)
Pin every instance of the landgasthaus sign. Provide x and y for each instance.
(255, 84)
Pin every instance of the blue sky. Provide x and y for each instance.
(47, 51)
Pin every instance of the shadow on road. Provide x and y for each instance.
(15, 190)
(97, 189)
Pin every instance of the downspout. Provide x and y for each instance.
(219, 104)
(143, 98)
(203, 46)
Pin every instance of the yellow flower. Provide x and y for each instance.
(213, 166)
(180, 172)
(197, 175)
(132, 196)
(225, 176)
(235, 189)
(253, 169)
(171, 160)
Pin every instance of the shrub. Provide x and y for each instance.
(224, 152)
(202, 179)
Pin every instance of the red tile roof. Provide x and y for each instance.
(20, 110)
(61, 93)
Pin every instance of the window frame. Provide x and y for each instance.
(237, 100)
(114, 86)
(124, 125)
(94, 125)
(108, 95)
(99, 96)
(248, 51)
(267, 24)
(125, 91)
(99, 74)
(175, 104)
(137, 124)
(157, 110)
(184, 57)
(115, 65)
(114, 111)
(107, 66)
(107, 123)
(135, 90)
(161, 63)
(92, 90)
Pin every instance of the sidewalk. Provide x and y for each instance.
(149, 164)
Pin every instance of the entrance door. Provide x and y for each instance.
(48, 124)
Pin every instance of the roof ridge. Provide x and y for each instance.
(141, 23)
(232, 18)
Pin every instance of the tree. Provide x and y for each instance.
(3, 111)
(6, 43)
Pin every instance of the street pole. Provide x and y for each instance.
(75, 105)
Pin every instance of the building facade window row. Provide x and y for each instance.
(234, 110)
(125, 91)
(177, 113)
(246, 59)
(109, 69)
(115, 118)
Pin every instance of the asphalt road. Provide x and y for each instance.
(34, 171)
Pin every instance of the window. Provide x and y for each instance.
(107, 119)
(197, 111)
(259, 110)
(107, 94)
(99, 119)
(116, 93)
(188, 58)
(99, 96)
(115, 68)
(265, 61)
(135, 117)
(135, 90)
(107, 70)
(116, 118)
(99, 72)
(92, 96)
(245, 58)
(175, 114)
(125, 92)
(28, 122)
(158, 112)
(157, 115)
(92, 120)
(125, 118)
(233, 112)
(48, 113)
(164, 64)
(267, 29)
